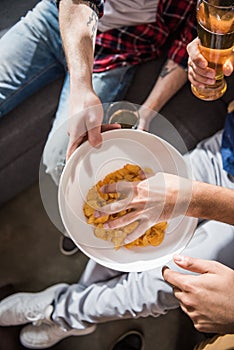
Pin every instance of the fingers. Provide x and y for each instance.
(177, 293)
(200, 77)
(122, 187)
(182, 293)
(95, 137)
(228, 68)
(196, 265)
(113, 208)
(143, 125)
(196, 68)
(94, 133)
(85, 124)
(189, 310)
(76, 142)
(122, 221)
(138, 232)
(175, 279)
(195, 54)
(146, 115)
(107, 127)
(199, 73)
(93, 121)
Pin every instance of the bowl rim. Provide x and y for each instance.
(129, 267)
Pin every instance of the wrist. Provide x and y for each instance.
(80, 88)
(147, 113)
(194, 208)
(80, 77)
(204, 200)
(178, 194)
(151, 107)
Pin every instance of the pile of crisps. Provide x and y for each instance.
(96, 199)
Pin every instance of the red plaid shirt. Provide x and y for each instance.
(136, 44)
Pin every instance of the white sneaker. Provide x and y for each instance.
(22, 308)
(48, 334)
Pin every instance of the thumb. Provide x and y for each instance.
(94, 136)
(143, 125)
(228, 67)
(195, 265)
(72, 146)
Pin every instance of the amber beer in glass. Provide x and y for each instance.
(124, 113)
(215, 27)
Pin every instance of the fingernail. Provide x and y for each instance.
(178, 258)
(97, 214)
(105, 225)
(228, 70)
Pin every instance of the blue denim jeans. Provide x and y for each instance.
(32, 57)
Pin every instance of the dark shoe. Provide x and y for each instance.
(67, 247)
(131, 340)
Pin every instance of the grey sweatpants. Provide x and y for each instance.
(102, 294)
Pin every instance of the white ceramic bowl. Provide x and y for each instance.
(88, 165)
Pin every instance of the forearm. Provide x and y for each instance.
(170, 80)
(212, 202)
(78, 24)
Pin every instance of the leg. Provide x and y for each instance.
(53, 162)
(136, 295)
(103, 295)
(143, 294)
(124, 295)
(54, 154)
(31, 55)
(206, 162)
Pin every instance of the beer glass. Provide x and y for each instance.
(215, 27)
(124, 113)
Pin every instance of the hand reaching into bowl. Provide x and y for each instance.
(158, 198)
(165, 196)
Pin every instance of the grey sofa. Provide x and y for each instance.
(23, 131)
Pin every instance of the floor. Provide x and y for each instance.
(31, 260)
